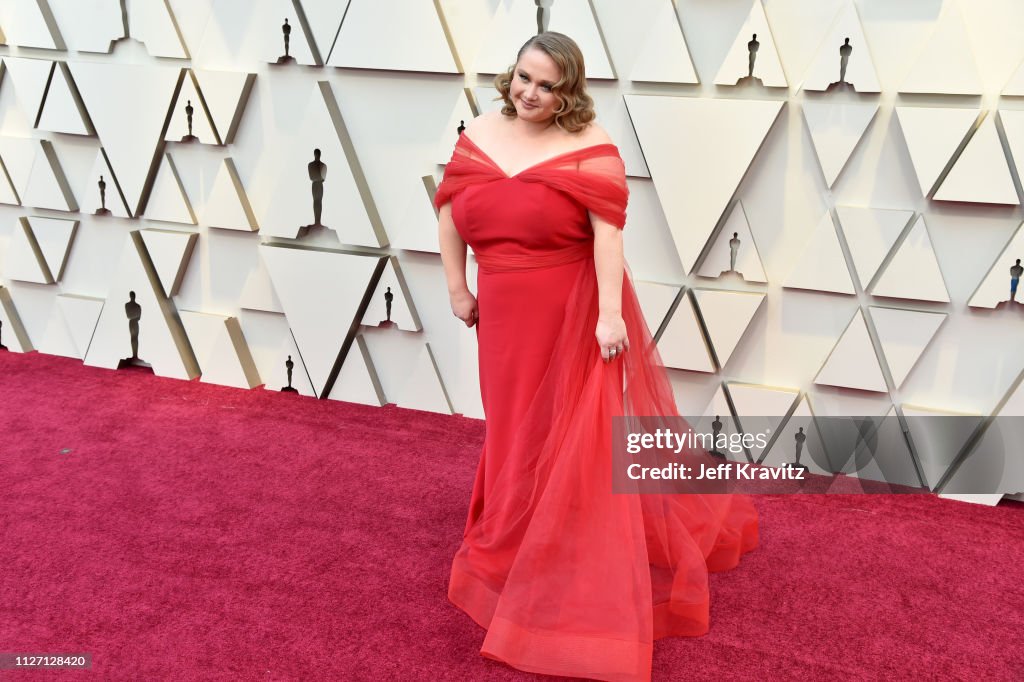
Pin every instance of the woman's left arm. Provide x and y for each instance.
(610, 265)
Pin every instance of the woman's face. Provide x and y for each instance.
(532, 81)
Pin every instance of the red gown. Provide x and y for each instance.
(566, 577)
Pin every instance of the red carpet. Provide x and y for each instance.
(203, 532)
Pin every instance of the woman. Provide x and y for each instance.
(567, 578)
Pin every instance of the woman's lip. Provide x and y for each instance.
(529, 106)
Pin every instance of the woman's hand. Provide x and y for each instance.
(611, 336)
(464, 307)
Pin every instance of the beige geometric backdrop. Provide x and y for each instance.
(876, 226)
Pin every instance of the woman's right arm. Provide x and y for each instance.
(453, 256)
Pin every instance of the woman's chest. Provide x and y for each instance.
(530, 213)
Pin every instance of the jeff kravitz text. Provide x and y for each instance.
(737, 471)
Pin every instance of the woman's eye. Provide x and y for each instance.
(548, 88)
(522, 77)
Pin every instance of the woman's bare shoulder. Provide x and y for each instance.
(482, 124)
(595, 134)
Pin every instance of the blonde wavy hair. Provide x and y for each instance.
(576, 108)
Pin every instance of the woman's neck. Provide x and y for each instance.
(533, 129)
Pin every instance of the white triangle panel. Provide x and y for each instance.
(357, 382)
(227, 206)
(913, 272)
(277, 377)
(655, 300)
(269, 39)
(748, 260)
(753, 400)
(1013, 125)
(514, 22)
(980, 174)
(19, 155)
(880, 455)
(12, 332)
(987, 499)
(718, 406)
(812, 450)
(170, 253)
(283, 211)
(822, 266)
(988, 468)
(664, 56)
(946, 64)
(305, 281)
(904, 335)
(25, 263)
(362, 225)
(226, 94)
(324, 20)
(152, 23)
(1015, 86)
(932, 136)
(826, 66)
(25, 25)
(937, 438)
(724, 133)
(395, 35)
(424, 389)
(870, 233)
(54, 237)
(47, 187)
(27, 78)
(718, 410)
(7, 195)
(168, 201)
(403, 311)
(62, 111)
(258, 292)
(484, 98)
(162, 341)
(853, 363)
(56, 340)
(110, 198)
(755, 408)
(88, 25)
(995, 288)
(417, 230)
(726, 315)
(202, 128)
(130, 135)
(462, 114)
(836, 128)
(80, 313)
(682, 345)
(767, 66)
(220, 349)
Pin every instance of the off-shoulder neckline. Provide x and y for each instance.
(535, 165)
